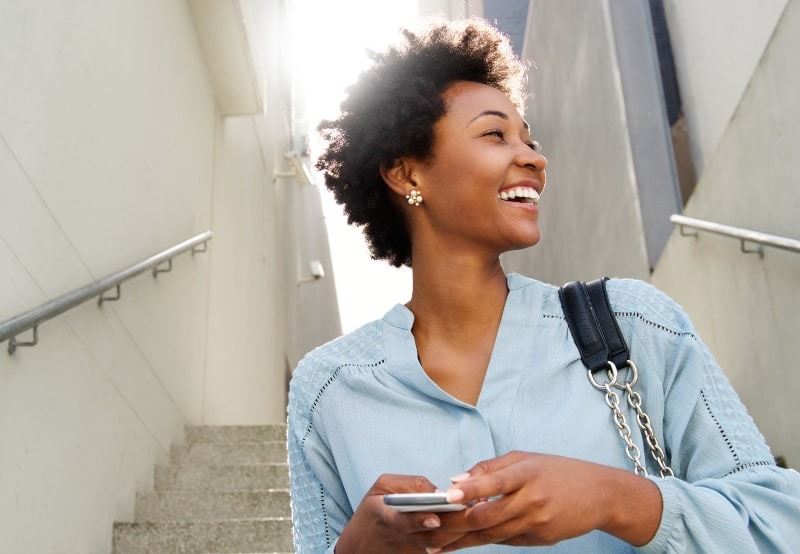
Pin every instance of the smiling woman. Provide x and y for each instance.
(475, 385)
(482, 151)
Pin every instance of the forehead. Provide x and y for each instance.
(464, 100)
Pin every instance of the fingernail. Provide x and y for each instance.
(431, 523)
(460, 477)
(433, 550)
(454, 495)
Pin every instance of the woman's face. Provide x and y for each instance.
(482, 184)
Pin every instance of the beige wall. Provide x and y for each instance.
(112, 147)
(717, 45)
(589, 213)
(746, 308)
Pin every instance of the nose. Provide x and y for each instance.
(528, 157)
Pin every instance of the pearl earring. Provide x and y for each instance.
(414, 198)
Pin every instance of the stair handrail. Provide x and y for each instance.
(744, 235)
(11, 328)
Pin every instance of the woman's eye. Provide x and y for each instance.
(495, 133)
(535, 146)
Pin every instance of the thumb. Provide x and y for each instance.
(480, 477)
(489, 466)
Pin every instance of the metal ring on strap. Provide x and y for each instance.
(612, 377)
(634, 376)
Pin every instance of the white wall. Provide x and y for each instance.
(717, 45)
(111, 149)
(107, 125)
(748, 309)
(244, 381)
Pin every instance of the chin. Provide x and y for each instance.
(532, 238)
(526, 243)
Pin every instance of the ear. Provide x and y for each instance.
(397, 176)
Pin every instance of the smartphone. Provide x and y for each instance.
(421, 502)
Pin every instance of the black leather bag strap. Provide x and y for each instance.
(593, 325)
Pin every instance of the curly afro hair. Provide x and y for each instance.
(391, 110)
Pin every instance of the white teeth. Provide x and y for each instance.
(520, 192)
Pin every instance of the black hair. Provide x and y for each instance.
(391, 110)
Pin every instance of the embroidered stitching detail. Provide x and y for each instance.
(761, 463)
(654, 324)
(640, 317)
(322, 390)
(310, 425)
(325, 517)
(721, 430)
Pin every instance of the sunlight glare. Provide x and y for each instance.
(330, 42)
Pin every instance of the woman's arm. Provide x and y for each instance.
(318, 516)
(729, 497)
(541, 499)
(322, 519)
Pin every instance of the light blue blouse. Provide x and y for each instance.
(362, 405)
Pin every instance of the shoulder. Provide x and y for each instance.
(632, 298)
(537, 296)
(360, 348)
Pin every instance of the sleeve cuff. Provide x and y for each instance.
(669, 517)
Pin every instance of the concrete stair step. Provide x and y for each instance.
(235, 433)
(203, 506)
(224, 453)
(225, 491)
(254, 535)
(222, 478)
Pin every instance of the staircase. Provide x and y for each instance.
(225, 490)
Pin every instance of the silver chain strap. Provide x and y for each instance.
(642, 419)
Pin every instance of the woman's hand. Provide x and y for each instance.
(543, 499)
(375, 527)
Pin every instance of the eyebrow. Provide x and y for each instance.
(496, 113)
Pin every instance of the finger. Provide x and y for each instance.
(481, 515)
(422, 529)
(412, 522)
(488, 466)
(494, 464)
(488, 480)
(434, 541)
(505, 533)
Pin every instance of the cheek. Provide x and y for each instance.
(465, 171)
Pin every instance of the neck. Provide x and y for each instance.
(457, 294)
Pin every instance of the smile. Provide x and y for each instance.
(525, 195)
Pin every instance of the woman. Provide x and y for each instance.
(475, 385)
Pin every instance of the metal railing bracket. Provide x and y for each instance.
(13, 343)
(108, 298)
(757, 250)
(157, 270)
